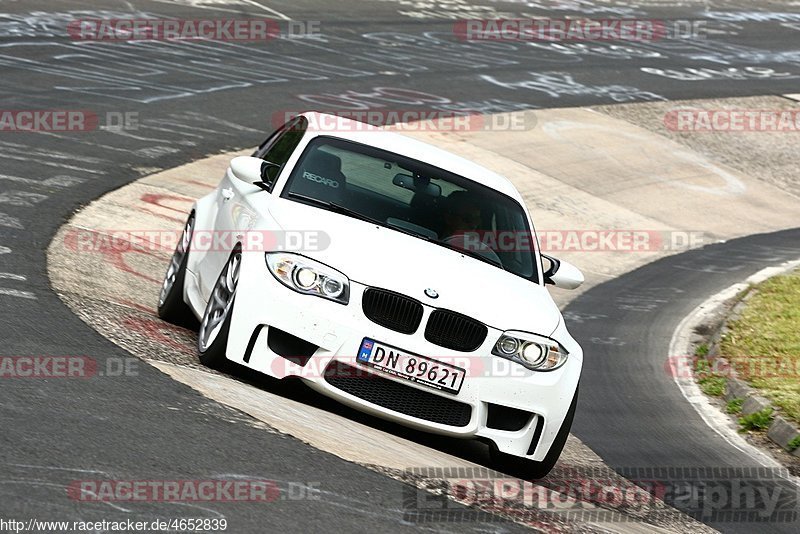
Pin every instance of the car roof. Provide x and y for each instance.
(324, 124)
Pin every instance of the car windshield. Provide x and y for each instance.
(415, 198)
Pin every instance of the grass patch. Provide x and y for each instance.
(759, 420)
(701, 350)
(734, 406)
(763, 344)
(711, 383)
(793, 444)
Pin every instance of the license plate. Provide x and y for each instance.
(412, 367)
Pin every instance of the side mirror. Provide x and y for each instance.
(255, 171)
(562, 274)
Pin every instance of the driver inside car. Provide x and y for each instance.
(462, 214)
(463, 219)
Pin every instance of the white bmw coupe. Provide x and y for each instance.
(415, 291)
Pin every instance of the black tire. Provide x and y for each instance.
(214, 355)
(171, 306)
(529, 469)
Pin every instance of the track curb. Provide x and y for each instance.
(781, 431)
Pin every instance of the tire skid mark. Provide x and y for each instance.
(153, 328)
(160, 215)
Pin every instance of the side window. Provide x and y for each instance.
(279, 147)
(268, 142)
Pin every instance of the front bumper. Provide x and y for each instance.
(338, 330)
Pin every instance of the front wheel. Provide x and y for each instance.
(171, 306)
(530, 469)
(212, 340)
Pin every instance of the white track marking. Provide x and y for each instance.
(82, 142)
(62, 488)
(18, 277)
(21, 198)
(56, 468)
(218, 7)
(60, 166)
(59, 181)
(10, 222)
(268, 9)
(17, 293)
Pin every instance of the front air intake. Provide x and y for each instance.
(396, 396)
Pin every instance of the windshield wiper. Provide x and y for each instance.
(408, 231)
(336, 208)
(470, 253)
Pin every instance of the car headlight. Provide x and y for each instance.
(537, 353)
(308, 276)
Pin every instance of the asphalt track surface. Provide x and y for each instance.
(197, 100)
(630, 411)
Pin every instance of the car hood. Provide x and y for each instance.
(381, 257)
